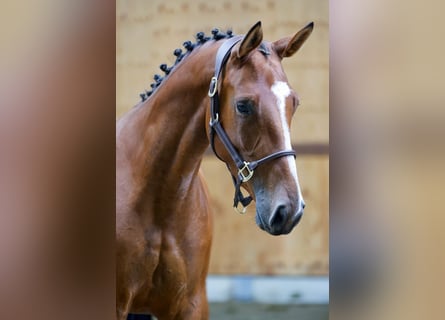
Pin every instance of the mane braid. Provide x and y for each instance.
(201, 38)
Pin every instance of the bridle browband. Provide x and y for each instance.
(246, 169)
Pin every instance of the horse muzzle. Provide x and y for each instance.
(282, 218)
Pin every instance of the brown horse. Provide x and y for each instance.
(163, 221)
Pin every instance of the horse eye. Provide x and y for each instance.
(244, 107)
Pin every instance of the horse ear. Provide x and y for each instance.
(250, 41)
(286, 47)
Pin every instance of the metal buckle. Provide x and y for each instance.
(213, 86)
(245, 177)
(242, 211)
(213, 121)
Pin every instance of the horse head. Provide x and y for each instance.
(256, 109)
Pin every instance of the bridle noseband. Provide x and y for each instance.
(246, 169)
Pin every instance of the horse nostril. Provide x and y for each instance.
(303, 204)
(278, 216)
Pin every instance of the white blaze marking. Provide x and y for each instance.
(282, 91)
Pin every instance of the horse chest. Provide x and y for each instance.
(170, 274)
(166, 272)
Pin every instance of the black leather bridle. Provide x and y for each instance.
(246, 169)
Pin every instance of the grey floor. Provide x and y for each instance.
(250, 311)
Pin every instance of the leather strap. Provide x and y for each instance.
(253, 164)
(222, 56)
(224, 52)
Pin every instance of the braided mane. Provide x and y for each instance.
(201, 38)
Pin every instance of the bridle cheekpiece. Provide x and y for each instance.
(246, 169)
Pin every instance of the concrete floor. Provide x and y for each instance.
(256, 311)
(250, 311)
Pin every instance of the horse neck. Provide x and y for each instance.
(165, 137)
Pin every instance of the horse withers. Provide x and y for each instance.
(163, 220)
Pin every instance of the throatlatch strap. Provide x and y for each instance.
(239, 197)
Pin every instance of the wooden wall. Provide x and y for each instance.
(147, 34)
